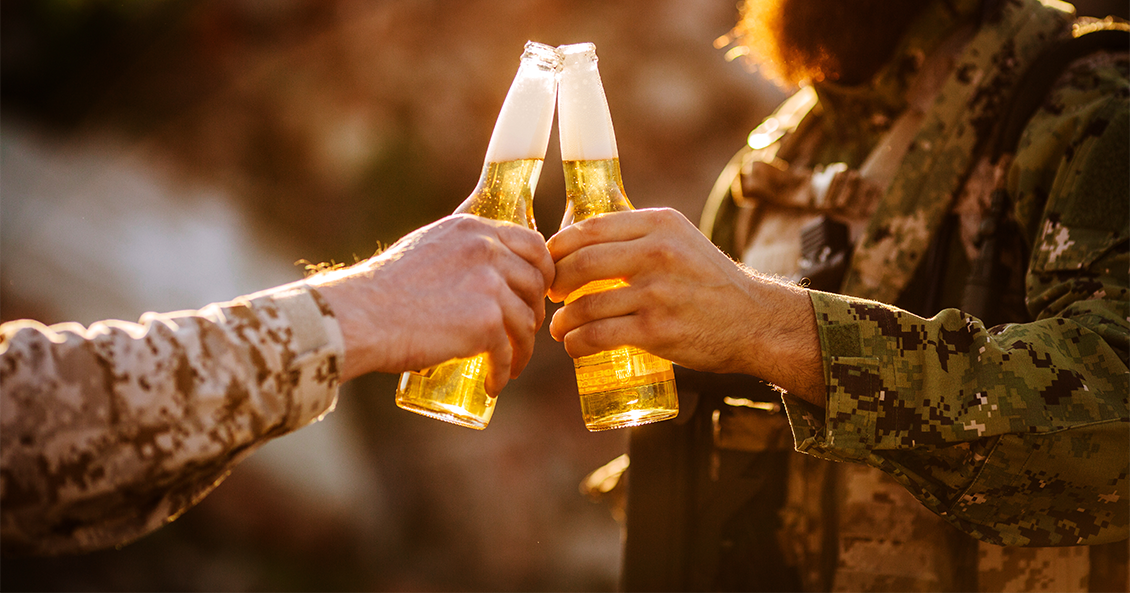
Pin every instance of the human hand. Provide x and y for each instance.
(459, 287)
(685, 301)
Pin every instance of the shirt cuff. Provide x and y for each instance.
(845, 429)
(317, 347)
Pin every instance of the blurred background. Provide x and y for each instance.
(164, 154)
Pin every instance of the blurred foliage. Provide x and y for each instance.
(58, 56)
(338, 126)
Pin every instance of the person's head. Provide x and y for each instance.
(794, 42)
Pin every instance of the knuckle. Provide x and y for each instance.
(470, 221)
(584, 309)
(662, 216)
(462, 223)
(491, 283)
(491, 320)
(529, 322)
(587, 229)
(601, 336)
(584, 262)
(654, 325)
(670, 251)
(663, 252)
(534, 315)
(481, 248)
(652, 293)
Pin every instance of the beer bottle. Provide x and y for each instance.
(453, 391)
(627, 386)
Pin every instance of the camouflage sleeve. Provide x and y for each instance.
(111, 431)
(1017, 434)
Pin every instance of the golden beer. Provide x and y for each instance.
(454, 391)
(627, 386)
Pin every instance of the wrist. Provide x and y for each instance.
(786, 350)
(349, 293)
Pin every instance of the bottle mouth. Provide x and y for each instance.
(577, 52)
(548, 56)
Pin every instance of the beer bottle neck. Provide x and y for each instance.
(584, 121)
(593, 188)
(505, 192)
(524, 122)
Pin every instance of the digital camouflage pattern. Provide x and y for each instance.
(111, 431)
(962, 116)
(1017, 434)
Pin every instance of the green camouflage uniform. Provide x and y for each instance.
(1017, 434)
(111, 431)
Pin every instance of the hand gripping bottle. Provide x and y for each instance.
(453, 391)
(627, 386)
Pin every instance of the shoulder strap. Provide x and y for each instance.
(953, 135)
(981, 287)
(1039, 78)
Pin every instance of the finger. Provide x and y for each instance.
(602, 335)
(498, 358)
(525, 282)
(497, 377)
(618, 245)
(615, 260)
(616, 302)
(521, 323)
(507, 249)
(530, 246)
(614, 226)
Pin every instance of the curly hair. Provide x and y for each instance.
(794, 42)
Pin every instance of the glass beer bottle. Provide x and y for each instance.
(454, 391)
(627, 386)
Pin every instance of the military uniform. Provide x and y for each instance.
(1010, 425)
(111, 431)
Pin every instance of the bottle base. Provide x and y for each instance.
(451, 392)
(630, 419)
(450, 414)
(634, 406)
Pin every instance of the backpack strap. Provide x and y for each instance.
(1044, 72)
(982, 287)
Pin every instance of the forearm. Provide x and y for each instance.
(110, 431)
(785, 345)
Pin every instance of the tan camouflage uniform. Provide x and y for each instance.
(1018, 434)
(111, 431)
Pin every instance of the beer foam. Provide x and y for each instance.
(584, 122)
(523, 125)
